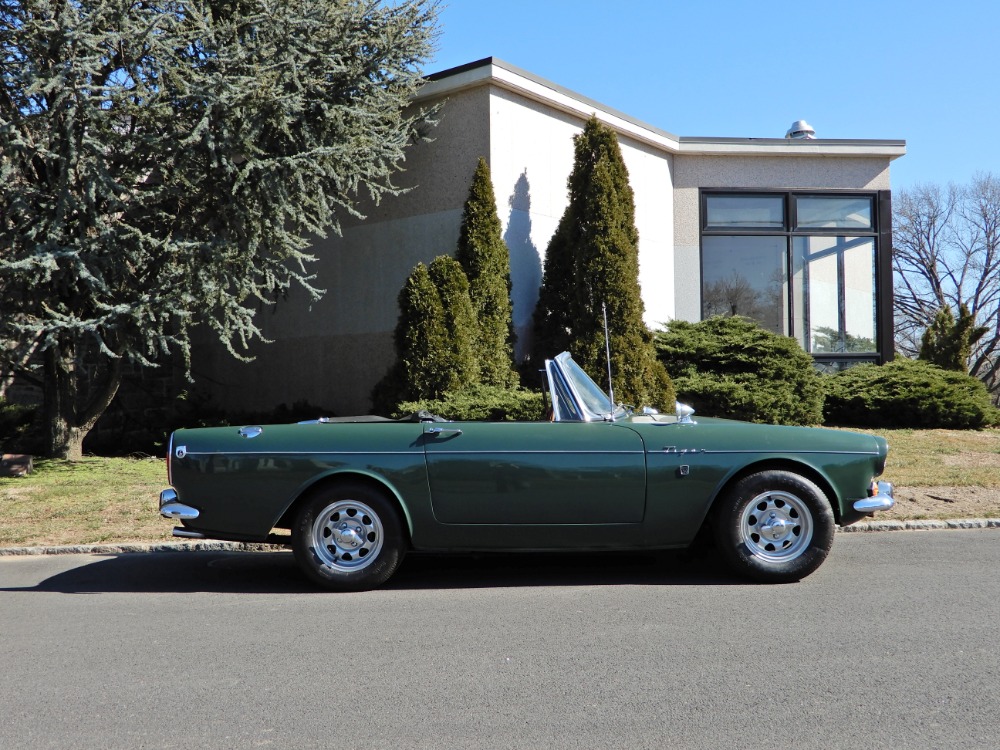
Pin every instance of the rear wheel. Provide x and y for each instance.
(774, 526)
(348, 537)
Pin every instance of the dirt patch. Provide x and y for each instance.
(971, 459)
(944, 503)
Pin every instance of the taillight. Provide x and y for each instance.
(170, 459)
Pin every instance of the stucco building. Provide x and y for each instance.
(795, 233)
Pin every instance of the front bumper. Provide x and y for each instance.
(170, 508)
(882, 498)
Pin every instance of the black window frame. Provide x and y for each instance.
(747, 229)
(880, 232)
(793, 215)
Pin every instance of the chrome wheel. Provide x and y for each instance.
(347, 535)
(776, 526)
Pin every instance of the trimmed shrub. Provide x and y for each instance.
(733, 368)
(434, 337)
(421, 336)
(481, 402)
(908, 393)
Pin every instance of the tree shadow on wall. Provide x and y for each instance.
(525, 263)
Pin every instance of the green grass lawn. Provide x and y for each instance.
(93, 501)
(110, 500)
(958, 458)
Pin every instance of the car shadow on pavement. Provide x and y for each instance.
(561, 569)
(276, 572)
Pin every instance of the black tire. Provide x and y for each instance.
(774, 527)
(348, 537)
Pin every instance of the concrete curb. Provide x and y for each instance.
(125, 548)
(928, 525)
(216, 546)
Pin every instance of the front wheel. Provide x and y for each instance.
(348, 537)
(774, 526)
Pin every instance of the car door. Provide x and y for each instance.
(535, 473)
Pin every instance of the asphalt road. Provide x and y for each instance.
(893, 643)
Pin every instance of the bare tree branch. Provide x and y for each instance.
(946, 254)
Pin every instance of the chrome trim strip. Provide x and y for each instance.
(651, 451)
(418, 452)
(185, 534)
(541, 453)
(798, 452)
(380, 453)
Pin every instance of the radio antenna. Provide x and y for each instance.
(607, 351)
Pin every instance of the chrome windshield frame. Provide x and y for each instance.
(568, 382)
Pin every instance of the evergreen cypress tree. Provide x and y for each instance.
(947, 342)
(459, 354)
(485, 259)
(592, 261)
(552, 321)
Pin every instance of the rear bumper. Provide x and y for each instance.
(171, 508)
(882, 499)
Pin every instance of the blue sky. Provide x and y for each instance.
(925, 72)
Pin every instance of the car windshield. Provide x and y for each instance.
(592, 397)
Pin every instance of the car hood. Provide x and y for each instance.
(717, 433)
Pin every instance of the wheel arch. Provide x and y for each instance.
(780, 464)
(333, 479)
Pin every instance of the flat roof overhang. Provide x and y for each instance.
(495, 72)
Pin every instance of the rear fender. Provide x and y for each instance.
(331, 478)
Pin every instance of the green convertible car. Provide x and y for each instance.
(358, 493)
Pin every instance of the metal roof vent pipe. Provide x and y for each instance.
(801, 131)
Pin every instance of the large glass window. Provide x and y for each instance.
(834, 294)
(801, 264)
(745, 276)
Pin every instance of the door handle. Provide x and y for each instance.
(442, 431)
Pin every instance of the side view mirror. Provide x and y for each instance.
(684, 413)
